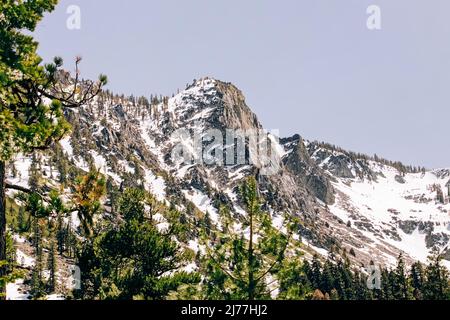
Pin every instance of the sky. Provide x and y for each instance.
(311, 67)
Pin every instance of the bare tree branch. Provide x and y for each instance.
(26, 190)
(18, 188)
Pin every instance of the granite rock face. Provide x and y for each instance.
(344, 200)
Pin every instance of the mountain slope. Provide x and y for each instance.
(346, 202)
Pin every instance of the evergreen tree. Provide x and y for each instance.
(28, 122)
(238, 265)
(12, 214)
(52, 267)
(62, 165)
(113, 195)
(316, 272)
(34, 174)
(417, 279)
(401, 288)
(11, 252)
(360, 290)
(70, 240)
(8, 264)
(23, 222)
(14, 172)
(60, 234)
(89, 189)
(293, 281)
(327, 278)
(437, 285)
(133, 260)
(386, 286)
(37, 285)
(344, 279)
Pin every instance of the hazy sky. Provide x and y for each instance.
(305, 66)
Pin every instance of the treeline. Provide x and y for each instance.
(335, 279)
(124, 253)
(145, 250)
(144, 101)
(354, 156)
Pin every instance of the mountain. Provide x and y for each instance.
(369, 207)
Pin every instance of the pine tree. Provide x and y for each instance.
(401, 288)
(437, 286)
(70, 239)
(238, 265)
(316, 272)
(52, 267)
(327, 278)
(360, 287)
(14, 171)
(344, 278)
(12, 215)
(386, 285)
(62, 165)
(35, 177)
(89, 189)
(207, 223)
(22, 220)
(60, 234)
(113, 195)
(28, 122)
(37, 287)
(134, 259)
(11, 252)
(293, 281)
(417, 279)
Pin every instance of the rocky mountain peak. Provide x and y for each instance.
(221, 104)
(345, 201)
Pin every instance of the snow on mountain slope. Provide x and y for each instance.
(411, 208)
(393, 211)
(345, 201)
(407, 210)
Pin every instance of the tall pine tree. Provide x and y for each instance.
(239, 264)
(52, 267)
(27, 120)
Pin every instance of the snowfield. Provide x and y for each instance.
(387, 204)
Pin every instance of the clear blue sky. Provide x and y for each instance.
(306, 66)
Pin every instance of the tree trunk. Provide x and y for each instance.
(2, 224)
(251, 280)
